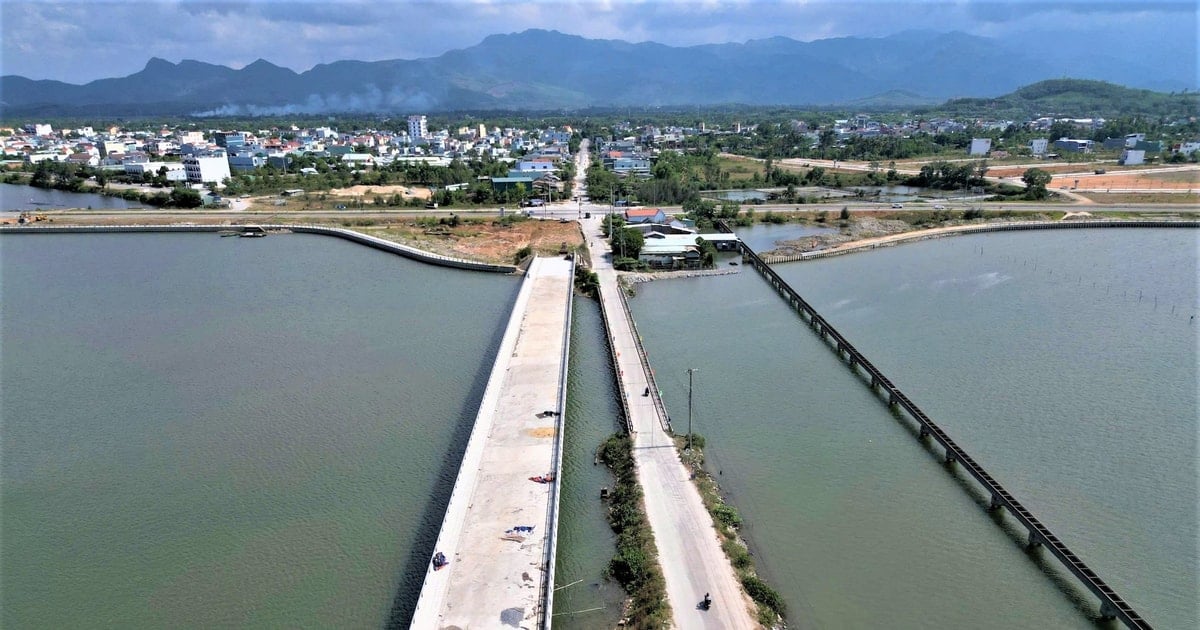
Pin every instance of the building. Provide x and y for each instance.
(231, 140)
(1188, 148)
(417, 128)
(1038, 146)
(246, 161)
(1149, 146)
(1073, 145)
(1132, 157)
(645, 215)
(980, 146)
(207, 168)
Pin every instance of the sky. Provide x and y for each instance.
(78, 42)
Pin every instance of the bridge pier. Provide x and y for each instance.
(1107, 611)
(1033, 540)
(924, 431)
(892, 400)
(996, 503)
(950, 458)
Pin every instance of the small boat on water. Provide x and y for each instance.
(224, 233)
(251, 231)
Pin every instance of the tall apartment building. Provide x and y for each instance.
(212, 167)
(417, 128)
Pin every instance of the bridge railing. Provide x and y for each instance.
(551, 556)
(1111, 603)
(643, 358)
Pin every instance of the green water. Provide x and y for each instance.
(1080, 399)
(206, 432)
(584, 600)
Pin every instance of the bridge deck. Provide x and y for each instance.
(498, 577)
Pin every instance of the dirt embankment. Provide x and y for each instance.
(480, 239)
(408, 192)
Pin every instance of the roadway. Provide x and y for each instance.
(497, 573)
(689, 548)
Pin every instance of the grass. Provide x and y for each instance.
(739, 170)
(1174, 198)
(727, 521)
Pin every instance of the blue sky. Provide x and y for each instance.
(82, 41)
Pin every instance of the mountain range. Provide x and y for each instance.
(540, 70)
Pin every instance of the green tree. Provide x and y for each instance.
(1036, 181)
(628, 242)
(184, 198)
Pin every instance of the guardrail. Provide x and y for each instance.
(351, 235)
(976, 229)
(556, 487)
(626, 418)
(655, 393)
(1111, 604)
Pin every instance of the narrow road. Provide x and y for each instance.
(689, 549)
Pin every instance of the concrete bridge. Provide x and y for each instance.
(1111, 604)
(499, 534)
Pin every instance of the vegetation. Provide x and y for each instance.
(1036, 181)
(628, 242)
(1076, 97)
(521, 254)
(586, 281)
(635, 565)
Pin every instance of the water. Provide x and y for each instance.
(1081, 401)
(18, 197)
(762, 237)
(205, 432)
(586, 542)
(740, 195)
(1073, 391)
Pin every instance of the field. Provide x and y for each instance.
(480, 239)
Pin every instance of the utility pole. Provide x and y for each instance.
(689, 440)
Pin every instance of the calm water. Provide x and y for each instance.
(206, 432)
(1077, 396)
(762, 237)
(19, 197)
(585, 600)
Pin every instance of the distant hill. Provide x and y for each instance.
(539, 69)
(1075, 98)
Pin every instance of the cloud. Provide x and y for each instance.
(50, 39)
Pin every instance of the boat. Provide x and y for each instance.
(224, 233)
(251, 231)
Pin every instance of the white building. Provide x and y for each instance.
(1188, 148)
(417, 128)
(1038, 146)
(980, 146)
(202, 169)
(1131, 157)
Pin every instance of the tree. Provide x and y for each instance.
(628, 242)
(184, 198)
(1036, 181)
